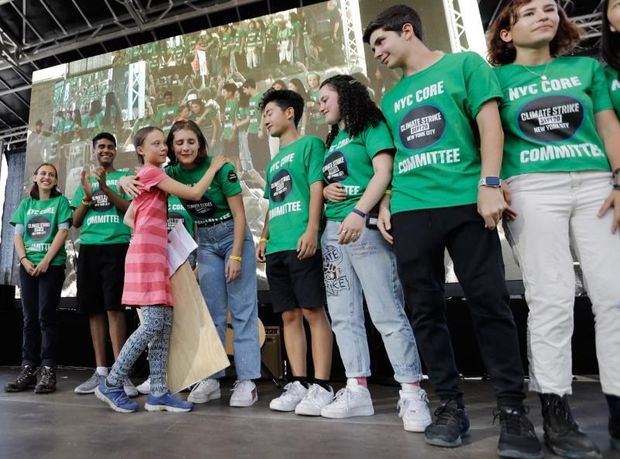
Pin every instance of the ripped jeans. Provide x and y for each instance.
(367, 265)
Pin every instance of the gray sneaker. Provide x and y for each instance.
(130, 388)
(88, 386)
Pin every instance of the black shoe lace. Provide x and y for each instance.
(47, 376)
(513, 421)
(561, 411)
(445, 415)
(25, 375)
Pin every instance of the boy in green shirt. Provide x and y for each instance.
(446, 192)
(167, 112)
(288, 245)
(99, 206)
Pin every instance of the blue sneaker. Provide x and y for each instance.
(115, 397)
(167, 402)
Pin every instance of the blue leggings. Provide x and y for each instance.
(155, 329)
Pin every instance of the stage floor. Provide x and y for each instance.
(63, 424)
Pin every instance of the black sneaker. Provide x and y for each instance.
(562, 434)
(26, 379)
(451, 425)
(517, 438)
(47, 381)
(614, 432)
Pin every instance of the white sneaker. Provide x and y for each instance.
(316, 398)
(353, 400)
(145, 387)
(244, 394)
(130, 389)
(205, 390)
(413, 408)
(293, 394)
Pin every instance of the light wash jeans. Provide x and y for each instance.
(367, 264)
(557, 212)
(214, 248)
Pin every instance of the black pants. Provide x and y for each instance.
(40, 298)
(420, 239)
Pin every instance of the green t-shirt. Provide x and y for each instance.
(103, 223)
(227, 43)
(549, 123)
(166, 113)
(90, 123)
(178, 213)
(289, 176)
(254, 113)
(242, 114)
(349, 162)
(40, 220)
(212, 207)
(253, 38)
(68, 126)
(230, 115)
(431, 115)
(613, 80)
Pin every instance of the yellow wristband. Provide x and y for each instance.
(388, 192)
(263, 239)
(86, 202)
(236, 258)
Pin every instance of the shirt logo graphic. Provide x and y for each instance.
(101, 202)
(281, 185)
(201, 209)
(551, 118)
(421, 127)
(335, 168)
(39, 228)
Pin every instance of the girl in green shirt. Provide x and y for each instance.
(561, 137)
(357, 261)
(41, 223)
(226, 263)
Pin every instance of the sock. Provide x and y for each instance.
(361, 381)
(410, 387)
(324, 383)
(302, 379)
(102, 371)
(614, 406)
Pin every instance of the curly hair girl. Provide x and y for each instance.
(357, 109)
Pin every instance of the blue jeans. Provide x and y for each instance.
(215, 245)
(367, 265)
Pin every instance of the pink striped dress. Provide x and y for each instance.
(146, 264)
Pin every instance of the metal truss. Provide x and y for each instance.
(352, 32)
(13, 138)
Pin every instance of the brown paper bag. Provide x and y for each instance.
(196, 351)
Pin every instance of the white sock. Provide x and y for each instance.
(102, 371)
(410, 388)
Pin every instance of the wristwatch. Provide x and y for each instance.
(493, 182)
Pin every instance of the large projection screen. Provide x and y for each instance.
(182, 78)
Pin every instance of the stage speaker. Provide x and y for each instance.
(271, 353)
(272, 365)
